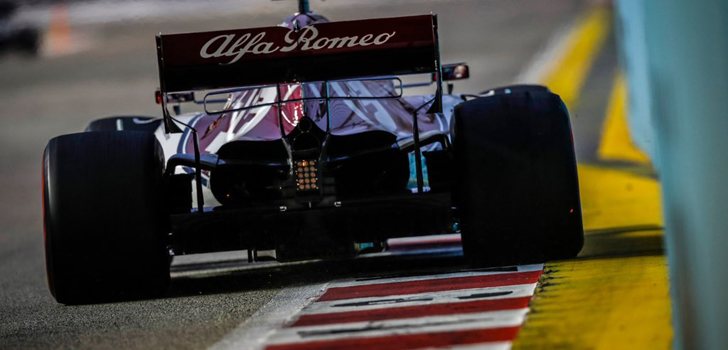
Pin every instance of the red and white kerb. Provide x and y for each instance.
(477, 309)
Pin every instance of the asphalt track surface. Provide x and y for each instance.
(113, 72)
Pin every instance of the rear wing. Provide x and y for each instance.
(319, 52)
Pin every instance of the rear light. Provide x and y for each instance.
(306, 175)
(158, 97)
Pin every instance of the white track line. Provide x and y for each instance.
(364, 281)
(445, 297)
(419, 325)
(268, 321)
(543, 62)
(253, 333)
(505, 345)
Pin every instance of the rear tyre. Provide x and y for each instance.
(105, 233)
(515, 183)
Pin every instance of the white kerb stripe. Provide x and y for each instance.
(502, 345)
(364, 281)
(454, 296)
(253, 333)
(419, 325)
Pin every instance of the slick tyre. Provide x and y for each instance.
(515, 183)
(103, 217)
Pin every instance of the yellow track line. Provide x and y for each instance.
(601, 303)
(614, 198)
(582, 45)
(615, 295)
(616, 143)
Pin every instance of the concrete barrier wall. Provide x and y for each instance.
(676, 53)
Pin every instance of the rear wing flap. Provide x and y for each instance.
(323, 51)
(319, 52)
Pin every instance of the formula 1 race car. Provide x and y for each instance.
(14, 35)
(308, 147)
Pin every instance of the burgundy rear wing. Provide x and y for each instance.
(319, 52)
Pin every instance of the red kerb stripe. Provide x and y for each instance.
(413, 311)
(431, 285)
(408, 341)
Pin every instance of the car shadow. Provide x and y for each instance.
(237, 276)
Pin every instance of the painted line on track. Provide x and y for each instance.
(403, 312)
(467, 309)
(252, 333)
(617, 298)
(604, 302)
(430, 285)
(492, 293)
(547, 57)
(565, 62)
(397, 334)
(616, 143)
(434, 276)
(409, 341)
(463, 308)
(583, 43)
